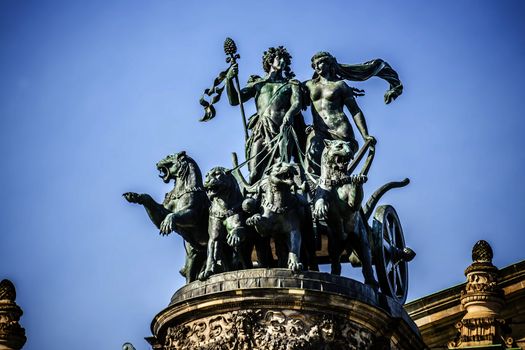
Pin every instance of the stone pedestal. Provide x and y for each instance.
(275, 309)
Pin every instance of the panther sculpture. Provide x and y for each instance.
(225, 224)
(284, 214)
(184, 209)
(337, 203)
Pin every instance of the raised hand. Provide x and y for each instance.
(233, 71)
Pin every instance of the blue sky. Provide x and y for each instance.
(94, 93)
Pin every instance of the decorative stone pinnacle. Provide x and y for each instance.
(7, 290)
(482, 300)
(482, 252)
(12, 335)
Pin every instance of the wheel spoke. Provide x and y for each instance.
(388, 264)
(387, 246)
(387, 256)
(388, 234)
(392, 271)
(392, 278)
(393, 231)
(399, 280)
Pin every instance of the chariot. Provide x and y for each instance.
(390, 255)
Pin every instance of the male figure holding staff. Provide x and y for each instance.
(278, 102)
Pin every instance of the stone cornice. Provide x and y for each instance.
(281, 290)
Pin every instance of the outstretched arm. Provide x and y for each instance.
(295, 104)
(356, 112)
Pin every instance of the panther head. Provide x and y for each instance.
(337, 154)
(220, 181)
(282, 173)
(173, 166)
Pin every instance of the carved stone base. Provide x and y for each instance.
(275, 309)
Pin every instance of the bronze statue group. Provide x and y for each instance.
(303, 187)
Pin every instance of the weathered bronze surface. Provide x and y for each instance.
(284, 216)
(328, 94)
(184, 209)
(302, 202)
(226, 222)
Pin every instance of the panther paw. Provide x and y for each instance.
(359, 179)
(320, 211)
(167, 225)
(294, 264)
(209, 271)
(133, 197)
(254, 220)
(234, 239)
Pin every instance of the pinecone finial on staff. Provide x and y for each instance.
(230, 49)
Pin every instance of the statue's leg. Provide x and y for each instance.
(281, 250)
(264, 251)
(258, 163)
(294, 249)
(314, 149)
(362, 248)
(243, 256)
(355, 197)
(225, 255)
(195, 259)
(308, 246)
(214, 230)
(335, 246)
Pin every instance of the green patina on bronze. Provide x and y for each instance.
(302, 199)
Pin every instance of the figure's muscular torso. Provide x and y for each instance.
(328, 100)
(271, 107)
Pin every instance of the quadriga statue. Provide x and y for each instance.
(184, 209)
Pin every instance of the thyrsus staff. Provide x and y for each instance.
(230, 49)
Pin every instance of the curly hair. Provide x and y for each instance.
(269, 56)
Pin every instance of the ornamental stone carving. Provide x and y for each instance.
(269, 329)
(12, 335)
(277, 309)
(483, 300)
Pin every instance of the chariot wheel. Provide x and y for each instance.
(389, 253)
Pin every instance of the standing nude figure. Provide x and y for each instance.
(329, 94)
